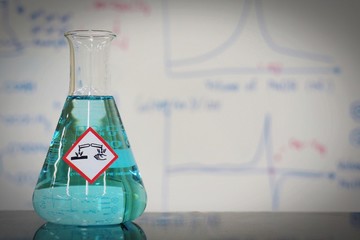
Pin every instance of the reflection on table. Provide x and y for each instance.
(192, 225)
(126, 231)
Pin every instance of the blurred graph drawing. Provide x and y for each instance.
(277, 176)
(193, 66)
(9, 43)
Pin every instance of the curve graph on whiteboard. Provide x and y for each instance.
(276, 176)
(171, 63)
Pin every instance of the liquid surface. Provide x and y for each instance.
(60, 187)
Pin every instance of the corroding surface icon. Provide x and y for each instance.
(90, 155)
(99, 156)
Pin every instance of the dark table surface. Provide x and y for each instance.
(192, 225)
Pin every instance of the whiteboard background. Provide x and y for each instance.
(228, 105)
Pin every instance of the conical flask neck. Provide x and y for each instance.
(89, 55)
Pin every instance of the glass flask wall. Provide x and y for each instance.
(89, 179)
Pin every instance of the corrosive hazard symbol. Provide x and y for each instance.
(90, 155)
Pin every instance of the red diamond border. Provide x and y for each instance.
(91, 181)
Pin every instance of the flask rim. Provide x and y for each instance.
(90, 33)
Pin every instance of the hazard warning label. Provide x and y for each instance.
(90, 155)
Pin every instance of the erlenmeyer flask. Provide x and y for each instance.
(89, 176)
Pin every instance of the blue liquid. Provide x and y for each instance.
(81, 205)
(63, 196)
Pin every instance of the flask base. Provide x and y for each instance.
(100, 206)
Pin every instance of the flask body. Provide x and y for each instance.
(62, 194)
